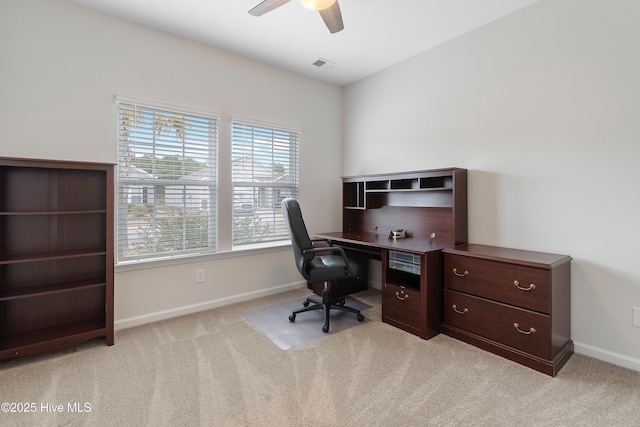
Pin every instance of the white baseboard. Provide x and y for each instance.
(607, 356)
(207, 305)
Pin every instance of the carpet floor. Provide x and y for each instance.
(214, 368)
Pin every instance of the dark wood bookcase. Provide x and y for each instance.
(56, 255)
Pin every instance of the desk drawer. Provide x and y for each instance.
(526, 287)
(497, 322)
(401, 306)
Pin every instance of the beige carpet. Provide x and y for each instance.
(214, 369)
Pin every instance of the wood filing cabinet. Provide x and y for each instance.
(513, 303)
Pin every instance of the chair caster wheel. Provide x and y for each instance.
(325, 328)
(360, 318)
(292, 318)
(306, 303)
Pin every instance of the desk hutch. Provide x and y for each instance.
(431, 206)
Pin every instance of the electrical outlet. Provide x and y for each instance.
(200, 276)
(636, 317)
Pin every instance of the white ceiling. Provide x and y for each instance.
(377, 33)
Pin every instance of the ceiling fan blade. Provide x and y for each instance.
(332, 17)
(267, 6)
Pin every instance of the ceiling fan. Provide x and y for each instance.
(329, 10)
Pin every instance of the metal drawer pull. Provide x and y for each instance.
(530, 288)
(402, 295)
(458, 274)
(529, 332)
(466, 310)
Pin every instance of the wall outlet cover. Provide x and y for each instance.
(636, 317)
(200, 276)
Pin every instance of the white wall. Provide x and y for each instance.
(542, 107)
(60, 66)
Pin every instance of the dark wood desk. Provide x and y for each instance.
(375, 243)
(481, 307)
(411, 300)
(431, 206)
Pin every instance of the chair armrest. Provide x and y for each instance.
(327, 243)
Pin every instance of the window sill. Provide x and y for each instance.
(248, 250)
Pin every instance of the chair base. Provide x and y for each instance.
(326, 305)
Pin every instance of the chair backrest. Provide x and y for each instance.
(298, 232)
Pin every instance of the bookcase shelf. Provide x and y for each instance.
(56, 254)
(52, 338)
(53, 288)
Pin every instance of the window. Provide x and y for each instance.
(167, 181)
(264, 171)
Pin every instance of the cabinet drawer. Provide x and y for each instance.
(517, 328)
(526, 287)
(401, 305)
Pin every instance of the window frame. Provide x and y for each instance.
(265, 195)
(190, 184)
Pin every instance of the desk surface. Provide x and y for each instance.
(375, 240)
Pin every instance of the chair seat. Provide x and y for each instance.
(330, 267)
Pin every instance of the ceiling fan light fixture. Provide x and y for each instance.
(317, 4)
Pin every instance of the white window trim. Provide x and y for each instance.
(254, 122)
(141, 263)
(266, 125)
(165, 106)
(258, 249)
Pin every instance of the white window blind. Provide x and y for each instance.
(167, 182)
(264, 171)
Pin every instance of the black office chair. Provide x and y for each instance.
(317, 268)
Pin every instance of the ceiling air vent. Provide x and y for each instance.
(325, 64)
